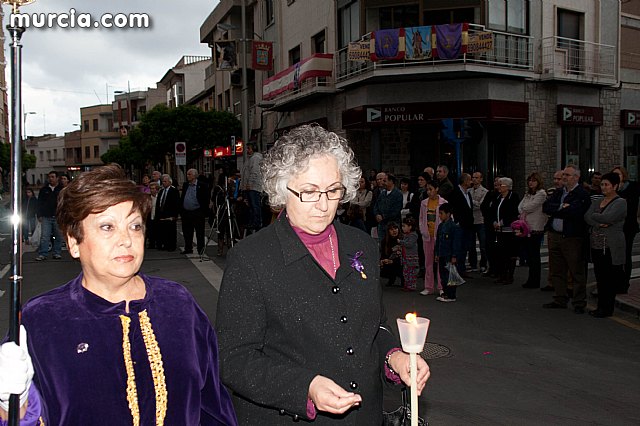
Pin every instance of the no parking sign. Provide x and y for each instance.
(181, 154)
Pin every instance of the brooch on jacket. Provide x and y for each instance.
(357, 265)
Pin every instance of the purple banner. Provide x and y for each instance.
(449, 40)
(387, 44)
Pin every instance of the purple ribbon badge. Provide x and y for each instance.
(357, 265)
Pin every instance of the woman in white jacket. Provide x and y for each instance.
(530, 209)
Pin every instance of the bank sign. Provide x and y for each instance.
(630, 119)
(577, 115)
(394, 114)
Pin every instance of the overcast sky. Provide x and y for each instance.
(66, 69)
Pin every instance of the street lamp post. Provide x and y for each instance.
(245, 88)
(15, 303)
(24, 122)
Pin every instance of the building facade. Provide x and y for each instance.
(534, 86)
(49, 151)
(98, 134)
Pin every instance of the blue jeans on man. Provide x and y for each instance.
(49, 227)
(255, 209)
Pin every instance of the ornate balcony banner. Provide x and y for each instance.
(318, 65)
(417, 43)
(451, 40)
(387, 44)
(359, 51)
(226, 55)
(261, 55)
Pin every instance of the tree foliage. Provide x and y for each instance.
(28, 160)
(161, 127)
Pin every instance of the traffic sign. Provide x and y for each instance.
(181, 153)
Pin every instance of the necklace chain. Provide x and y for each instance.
(333, 254)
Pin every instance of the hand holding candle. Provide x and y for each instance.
(413, 334)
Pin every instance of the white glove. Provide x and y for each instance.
(16, 370)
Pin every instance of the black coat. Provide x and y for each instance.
(461, 210)
(508, 209)
(171, 206)
(282, 320)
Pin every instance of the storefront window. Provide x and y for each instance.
(631, 153)
(578, 148)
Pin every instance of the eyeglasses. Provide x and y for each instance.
(314, 196)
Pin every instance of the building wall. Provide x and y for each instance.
(103, 138)
(50, 155)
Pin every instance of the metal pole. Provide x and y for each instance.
(16, 197)
(245, 88)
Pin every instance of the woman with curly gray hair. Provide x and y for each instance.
(301, 325)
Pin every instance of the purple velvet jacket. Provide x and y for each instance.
(76, 344)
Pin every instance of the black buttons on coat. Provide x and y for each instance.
(353, 385)
(349, 351)
(335, 289)
(343, 319)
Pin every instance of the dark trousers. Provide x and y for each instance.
(628, 239)
(568, 254)
(468, 244)
(607, 277)
(392, 271)
(151, 233)
(449, 290)
(193, 220)
(491, 246)
(478, 231)
(532, 247)
(167, 234)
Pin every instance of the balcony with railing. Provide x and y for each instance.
(310, 78)
(508, 54)
(578, 61)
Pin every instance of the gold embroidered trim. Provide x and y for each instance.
(155, 363)
(157, 368)
(132, 393)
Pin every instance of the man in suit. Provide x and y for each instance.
(388, 205)
(167, 210)
(194, 207)
(462, 210)
(567, 237)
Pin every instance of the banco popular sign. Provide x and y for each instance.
(394, 114)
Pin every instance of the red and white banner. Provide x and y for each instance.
(318, 65)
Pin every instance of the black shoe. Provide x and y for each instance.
(598, 314)
(186, 252)
(466, 276)
(554, 305)
(547, 288)
(578, 310)
(569, 292)
(530, 285)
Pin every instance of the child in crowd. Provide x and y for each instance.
(390, 266)
(428, 225)
(409, 244)
(448, 243)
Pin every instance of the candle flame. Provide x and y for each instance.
(411, 317)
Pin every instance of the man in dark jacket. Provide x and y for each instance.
(462, 209)
(567, 240)
(388, 205)
(194, 208)
(167, 210)
(47, 203)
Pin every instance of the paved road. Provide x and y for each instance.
(497, 357)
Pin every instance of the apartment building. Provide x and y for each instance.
(98, 134)
(535, 84)
(185, 80)
(138, 102)
(49, 151)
